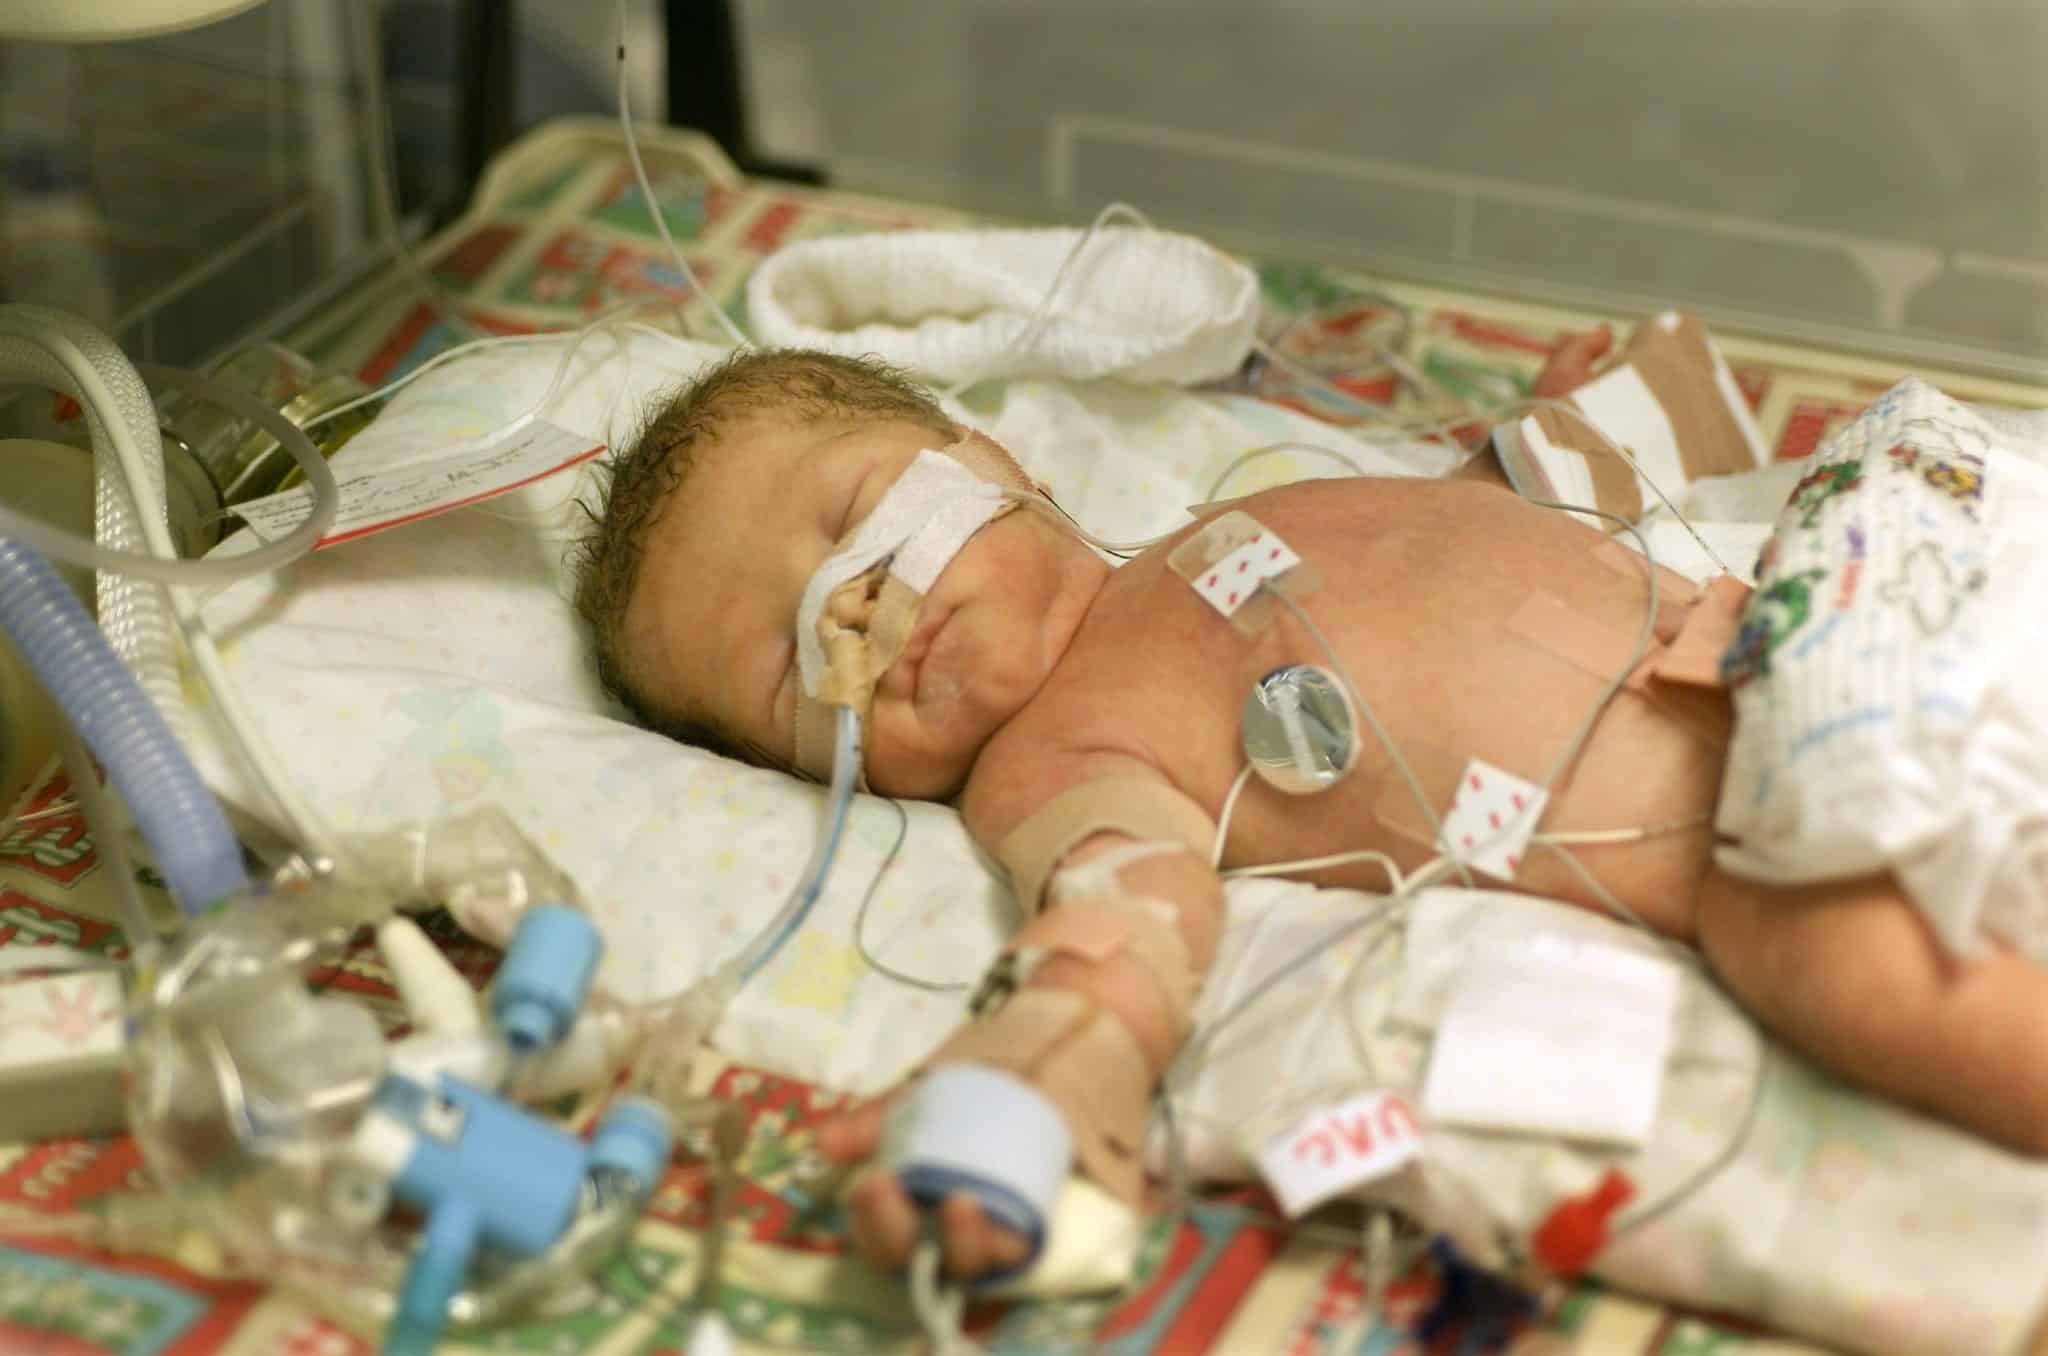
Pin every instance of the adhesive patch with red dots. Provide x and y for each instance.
(1230, 582)
(1491, 819)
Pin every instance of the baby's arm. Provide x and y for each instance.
(1123, 984)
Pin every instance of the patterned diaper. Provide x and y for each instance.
(1888, 674)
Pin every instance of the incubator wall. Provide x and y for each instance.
(177, 191)
(1863, 173)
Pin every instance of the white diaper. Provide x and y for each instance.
(1890, 706)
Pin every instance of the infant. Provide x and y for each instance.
(1035, 679)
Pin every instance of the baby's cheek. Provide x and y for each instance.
(940, 691)
(963, 691)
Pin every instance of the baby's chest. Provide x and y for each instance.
(1161, 676)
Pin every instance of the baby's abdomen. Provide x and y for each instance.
(1642, 792)
(1480, 644)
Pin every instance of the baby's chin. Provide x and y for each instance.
(927, 749)
(924, 775)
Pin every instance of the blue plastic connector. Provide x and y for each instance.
(177, 815)
(632, 1140)
(545, 976)
(484, 1172)
(433, 1278)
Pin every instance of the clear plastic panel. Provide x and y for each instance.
(177, 191)
(1846, 171)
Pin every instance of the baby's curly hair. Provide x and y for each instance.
(655, 467)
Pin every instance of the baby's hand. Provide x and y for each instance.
(1571, 361)
(885, 1220)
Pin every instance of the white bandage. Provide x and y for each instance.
(918, 527)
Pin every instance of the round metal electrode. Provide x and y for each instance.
(1300, 733)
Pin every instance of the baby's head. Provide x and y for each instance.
(717, 516)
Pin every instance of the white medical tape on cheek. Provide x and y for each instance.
(920, 524)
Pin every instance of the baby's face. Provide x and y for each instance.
(712, 623)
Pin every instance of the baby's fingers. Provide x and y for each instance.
(974, 1243)
(856, 1134)
(884, 1220)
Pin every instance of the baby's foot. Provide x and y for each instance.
(1570, 365)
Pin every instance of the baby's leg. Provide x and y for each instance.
(1850, 973)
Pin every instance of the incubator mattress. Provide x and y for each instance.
(419, 645)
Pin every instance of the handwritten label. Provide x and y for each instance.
(390, 495)
(1340, 1147)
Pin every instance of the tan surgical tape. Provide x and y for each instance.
(1103, 874)
(1600, 652)
(1102, 927)
(1218, 538)
(991, 461)
(1086, 1063)
(1694, 659)
(1676, 362)
(1138, 807)
(1615, 488)
(857, 654)
(816, 731)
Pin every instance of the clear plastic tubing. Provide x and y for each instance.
(846, 755)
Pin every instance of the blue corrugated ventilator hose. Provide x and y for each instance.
(179, 818)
